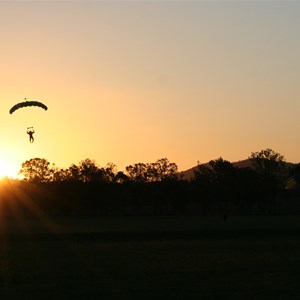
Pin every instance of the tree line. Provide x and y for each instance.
(158, 188)
(39, 170)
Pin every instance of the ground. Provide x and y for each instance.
(196, 257)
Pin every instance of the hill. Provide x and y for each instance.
(246, 163)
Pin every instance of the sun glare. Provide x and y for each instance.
(7, 171)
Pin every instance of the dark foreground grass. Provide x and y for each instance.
(152, 258)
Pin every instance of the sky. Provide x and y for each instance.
(136, 81)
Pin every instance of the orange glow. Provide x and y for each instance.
(6, 170)
(136, 82)
(16, 205)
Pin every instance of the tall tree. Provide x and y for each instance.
(36, 170)
(270, 166)
(162, 170)
(267, 162)
(88, 171)
(271, 172)
(137, 172)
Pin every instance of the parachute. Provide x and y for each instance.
(26, 104)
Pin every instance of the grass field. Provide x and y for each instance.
(150, 258)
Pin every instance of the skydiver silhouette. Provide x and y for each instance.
(30, 133)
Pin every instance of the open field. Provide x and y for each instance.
(150, 258)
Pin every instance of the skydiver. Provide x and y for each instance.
(30, 133)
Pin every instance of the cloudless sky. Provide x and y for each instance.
(135, 81)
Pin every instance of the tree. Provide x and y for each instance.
(120, 177)
(270, 166)
(225, 182)
(203, 174)
(271, 171)
(110, 172)
(60, 175)
(73, 173)
(267, 162)
(36, 170)
(86, 171)
(162, 170)
(137, 172)
(223, 170)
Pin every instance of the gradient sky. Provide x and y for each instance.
(135, 81)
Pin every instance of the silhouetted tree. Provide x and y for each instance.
(204, 186)
(271, 170)
(218, 187)
(137, 172)
(270, 167)
(294, 169)
(162, 170)
(36, 170)
(60, 175)
(120, 177)
(267, 162)
(223, 170)
(87, 171)
(247, 189)
(109, 172)
(225, 182)
(73, 173)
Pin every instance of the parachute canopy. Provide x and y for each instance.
(26, 104)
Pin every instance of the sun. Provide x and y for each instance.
(7, 170)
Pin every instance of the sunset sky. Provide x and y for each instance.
(135, 81)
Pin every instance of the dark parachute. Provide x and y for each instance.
(26, 104)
